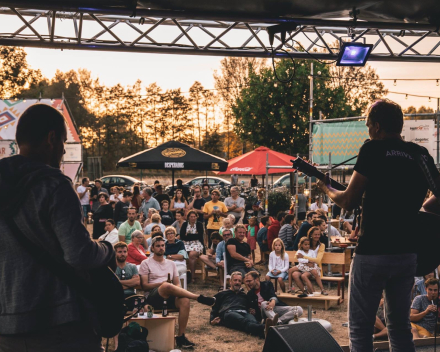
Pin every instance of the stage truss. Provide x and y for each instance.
(198, 34)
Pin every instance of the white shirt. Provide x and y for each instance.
(111, 237)
(311, 253)
(85, 200)
(112, 197)
(275, 262)
(315, 207)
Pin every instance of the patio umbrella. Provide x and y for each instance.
(173, 156)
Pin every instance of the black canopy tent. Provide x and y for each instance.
(174, 156)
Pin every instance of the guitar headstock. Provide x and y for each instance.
(304, 166)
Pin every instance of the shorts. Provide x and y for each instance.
(156, 300)
(283, 275)
(422, 331)
(86, 209)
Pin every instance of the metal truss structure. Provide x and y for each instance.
(198, 34)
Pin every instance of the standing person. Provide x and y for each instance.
(278, 263)
(205, 195)
(302, 204)
(191, 233)
(214, 211)
(390, 266)
(253, 182)
(234, 180)
(179, 202)
(160, 196)
(235, 204)
(129, 226)
(39, 310)
(238, 252)
(262, 238)
(95, 192)
(166, 214)
(148, 202)
(258, 206)
(100, 216)
(180, 220)
(84, 198)
(197, 203)
(121, 208)
(117, 194)
(274, 228)
(251, 236)
(136, 201)
(315, 206)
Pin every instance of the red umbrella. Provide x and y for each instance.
(254, 163)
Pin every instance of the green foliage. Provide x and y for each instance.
(213, 144)
(273, 114)
(278, 201)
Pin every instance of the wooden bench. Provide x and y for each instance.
(317, 301)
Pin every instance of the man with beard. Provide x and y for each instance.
(126, 272)
(129, 226)
(232, 309)
(154, 273)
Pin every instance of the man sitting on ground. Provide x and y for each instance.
(232, 310)
(424, 311)
(210, 257)
(264, 301)
(304, 228)
(238, 252)
(126, 272)
(154, 273)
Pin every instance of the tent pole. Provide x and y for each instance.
(266, 201)
(172, 180)
(141, 175)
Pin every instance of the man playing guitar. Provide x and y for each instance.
(385, 258)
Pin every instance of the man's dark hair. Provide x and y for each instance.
(310, 214)
(323, 217)
(181, 212)
(120, 245)
(264, 220)
(156, 182)
(254, 274)
(36, 122)
(98, 180)
(127, 194)
(317, 222)
(158, 186)
(387, 114)
(157, 238)
(216, 236)
(179, 182)
(205, 185)
(131, 208)
(84, 180)
(431, 281)
(281, 215)
(111, 221)
(289, 218)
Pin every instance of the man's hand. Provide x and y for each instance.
(221, 264)
(431, 308)
(325, 184)
(270, 305)
(252, 311)
(215, 321)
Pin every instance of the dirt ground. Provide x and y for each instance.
(221, 339)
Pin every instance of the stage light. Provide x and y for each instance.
(354, 54)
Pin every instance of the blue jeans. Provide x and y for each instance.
(243, 322)
(370, 275)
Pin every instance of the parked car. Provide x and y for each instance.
(213, 182)
(121, 181)
(284, 181)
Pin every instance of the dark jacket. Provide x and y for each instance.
(302, 232)
(229, 300)
(192, 237)
(47, 210)
(267, 291)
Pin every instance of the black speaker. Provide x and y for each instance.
(302, 337)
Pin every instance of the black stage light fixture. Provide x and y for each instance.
(354, 54)
(282, 29)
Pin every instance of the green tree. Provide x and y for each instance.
(410, 110)
(213, 144)
(273, 114)
(196, 101)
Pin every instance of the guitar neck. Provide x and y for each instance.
(312, 171)
(334, 184)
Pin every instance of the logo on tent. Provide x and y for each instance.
(215, 166)
(173, 153)
(241, 169)
(174, 165)
(5, 118)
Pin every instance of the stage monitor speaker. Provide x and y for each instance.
(303, 337)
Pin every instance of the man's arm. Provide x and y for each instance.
(352, 196)
(133, 282)
(415, 315)
(147, 286)
(233, 252)
(216, 307)
(81, 195)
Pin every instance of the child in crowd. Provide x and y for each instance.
(251, 237)
(305, 266)
(166, 215)
(232, 218)
(278, 263)
(227, 224)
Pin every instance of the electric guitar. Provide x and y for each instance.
(427, 250)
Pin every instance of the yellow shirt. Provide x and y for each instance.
(215, 221)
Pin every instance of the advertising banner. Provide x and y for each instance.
(421, 132)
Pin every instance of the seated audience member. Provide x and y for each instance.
(232, 309)
(278, 263)
(154, 275)
(264, 301)
(322, 225)
(166, 214)
(126, 272)
(175, 250)
(331, 230)
(380, 328)
(424, 311)
(238, 252)
(226, 224)
(150, 213)
(122, 207)
(191, 233)
(262, 238)
(116, 195)
(287, 231)
(274, 229)
(112, 233)
(318, 205)
(210, 257)
(304, 228)
(219, 252)
(154, 233)
(180, 220)
(129, 226)
(136, 252)
(419, 285)
(155, 220)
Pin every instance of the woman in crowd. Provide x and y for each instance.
(112, 233)
(155, 220)
(147, 221)
(251, 236)
(253, 182)
(100, 216)
(179, 202)
(117, 195)
(180, 220)
(136, 252)
(137, 199)
(191, 233)
(258, 206)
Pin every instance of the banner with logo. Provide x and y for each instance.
(8, 148)
(423, 133)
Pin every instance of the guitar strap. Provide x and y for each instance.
(427, 173)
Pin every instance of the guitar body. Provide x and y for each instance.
(107, 296)
(427, 248)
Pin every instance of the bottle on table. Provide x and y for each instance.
(164, 309)
(169, 279)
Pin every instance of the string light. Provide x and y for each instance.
(395, 83)
(429, 99)
(406, 97)
(437, 83)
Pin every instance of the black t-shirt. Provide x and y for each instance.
(161, 197)
(198, 204)
(167, 217)
(394, 194)
(121, 209)
(241, 248)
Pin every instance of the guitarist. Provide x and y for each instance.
(385, 258)
(38, 310)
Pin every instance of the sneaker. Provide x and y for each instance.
(183, 342)
(275, 319)
(209, 301)
(270, 322)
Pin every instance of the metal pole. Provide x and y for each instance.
(310, 127)
(296, 193)
(266, 201)
(438, 137)
(329, 216)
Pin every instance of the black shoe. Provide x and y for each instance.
(209, 301)
(183, 342)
